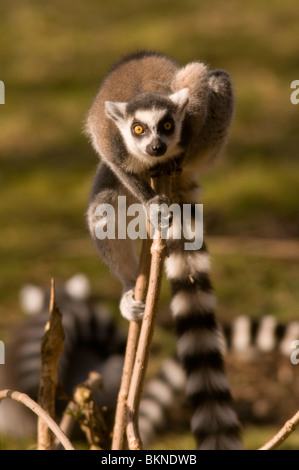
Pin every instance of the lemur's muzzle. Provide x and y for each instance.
(156, 148)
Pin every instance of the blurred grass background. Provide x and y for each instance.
(52, 58)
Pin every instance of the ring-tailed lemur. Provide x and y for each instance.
(152, 116)
(94, 342)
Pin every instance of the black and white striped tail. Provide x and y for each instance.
(214, 422)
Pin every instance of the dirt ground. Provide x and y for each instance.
(265, 389)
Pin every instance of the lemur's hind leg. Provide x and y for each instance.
(214, 422)
(119, 254)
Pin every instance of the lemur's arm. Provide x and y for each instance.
(138, 187)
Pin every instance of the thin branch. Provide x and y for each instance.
(89, 416)
(132, 342)
(52, 347)
(283, 434)
(158, 248)
(33, 406)
(68, 420)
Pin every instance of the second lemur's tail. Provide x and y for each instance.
(214, 422)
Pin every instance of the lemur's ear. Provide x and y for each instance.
(115, 111)
(181, 99)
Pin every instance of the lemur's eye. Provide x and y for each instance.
(138, 129)
(167, 125)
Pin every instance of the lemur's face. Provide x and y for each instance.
(151, 124)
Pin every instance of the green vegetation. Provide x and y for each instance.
(52, 58)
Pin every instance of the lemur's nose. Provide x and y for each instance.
(156, 148)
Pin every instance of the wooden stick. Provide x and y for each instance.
(158, 248)
(68, 420)
(132, 342)
(52, 346)
(33, 406)
(89, 416)
(282, 435)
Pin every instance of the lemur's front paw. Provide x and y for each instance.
(157, 210)
(130, 308)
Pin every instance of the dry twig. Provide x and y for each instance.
(90, 418)
(161, 186)
(76, 408)
(33, 406)
(158, 247)
(132, 342)
(51, 348)
(283, 434)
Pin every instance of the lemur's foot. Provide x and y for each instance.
(130, 308)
